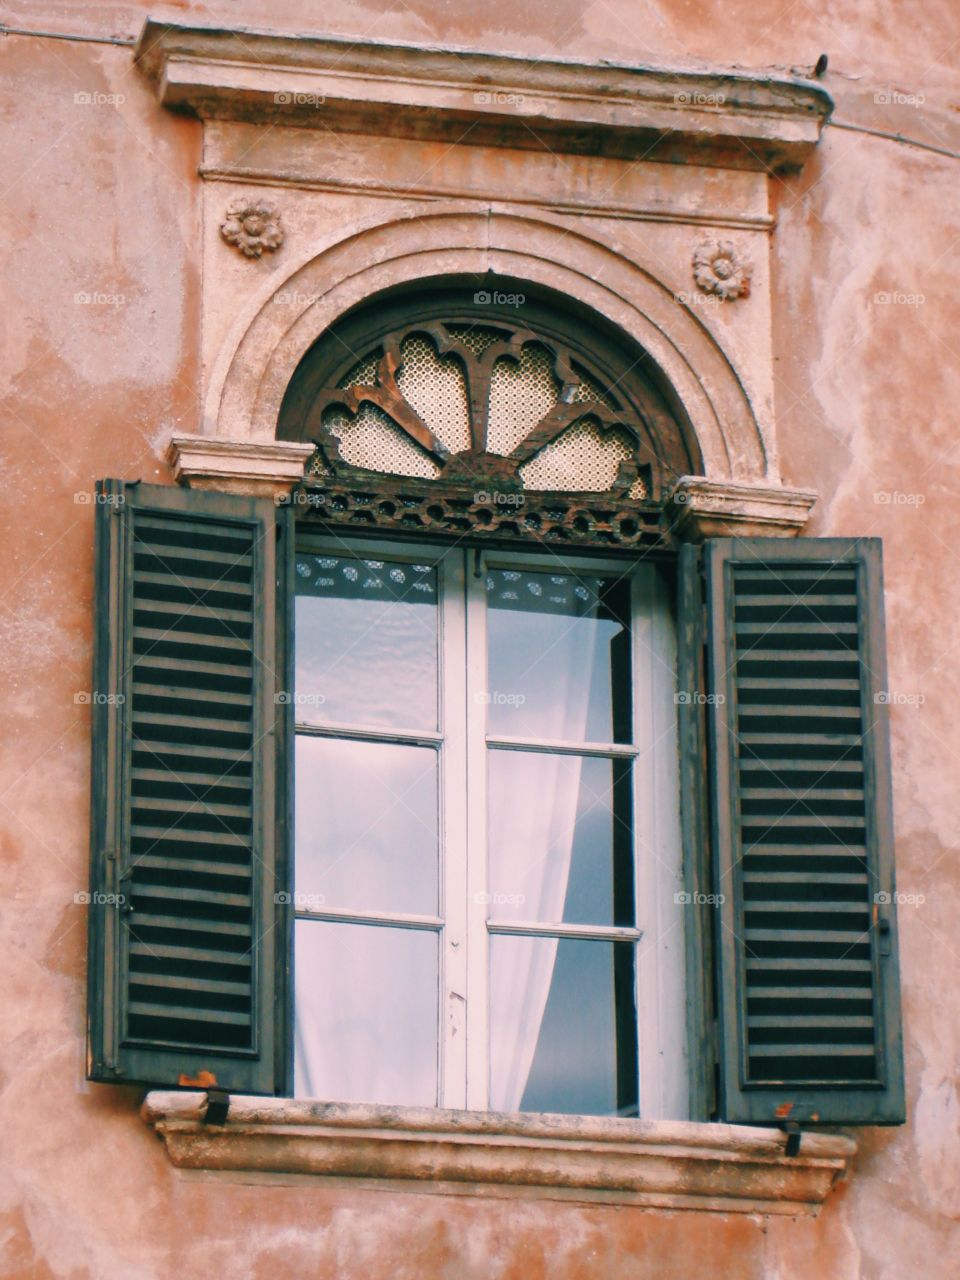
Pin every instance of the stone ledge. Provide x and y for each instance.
(268, 468)
(726, 118)
(699, 508)
(673, 1165)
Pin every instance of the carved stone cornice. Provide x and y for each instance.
(724, 118)
(699, 508)
(667, 1165)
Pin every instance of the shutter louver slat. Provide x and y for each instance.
(810, 1021)
(197, 942)
(189, 590)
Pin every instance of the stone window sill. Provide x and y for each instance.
(668, 1165)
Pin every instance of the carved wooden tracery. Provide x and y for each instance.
(474, 483)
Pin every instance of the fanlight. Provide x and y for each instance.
(482, 405)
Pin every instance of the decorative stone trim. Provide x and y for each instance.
(245, 154)
(262, 468)
(400, 506)
(249, 377)
(672, 1165)
(729, 118)
(699, 508)
(720, 269)
(252, 226)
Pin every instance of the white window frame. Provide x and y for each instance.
(462, 742)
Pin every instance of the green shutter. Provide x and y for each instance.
(189, 927)
(699, 936)
(809, 1015)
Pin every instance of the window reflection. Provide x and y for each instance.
(565, 856)
(366, 1017)
(366, 825)
(558, 662)
(366, 642)
(563, 1026)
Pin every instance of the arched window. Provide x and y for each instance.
(468, 891)
(496, 409)
(487, 818)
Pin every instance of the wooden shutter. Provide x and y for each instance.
(809, 1014)
(189, 928)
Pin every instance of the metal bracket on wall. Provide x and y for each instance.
(218, 1104)
(792, 1130)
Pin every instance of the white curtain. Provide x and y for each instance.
(534, 827)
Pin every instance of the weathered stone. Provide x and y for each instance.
(667, 1165)
(268, 468)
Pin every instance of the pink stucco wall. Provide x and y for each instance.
(102, 200)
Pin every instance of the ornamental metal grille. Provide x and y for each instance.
(481, 403)
(478, 426)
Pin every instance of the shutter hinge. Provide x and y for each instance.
(886, 936)
(124, 903)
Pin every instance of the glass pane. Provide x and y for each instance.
(558, 656)
(366, 1017)
(563, 1026)
(366, 826)
(366, 642)
(561, 846)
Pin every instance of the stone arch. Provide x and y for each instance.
(267, 343)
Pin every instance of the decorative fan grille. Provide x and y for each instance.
(482, 405)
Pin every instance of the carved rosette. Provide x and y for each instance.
(252, 227)
(720, 269)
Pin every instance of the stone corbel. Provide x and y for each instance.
(261, 468)
(698, 508)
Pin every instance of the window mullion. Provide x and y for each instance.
(453, 847)
(478, 1030)
(659, 976)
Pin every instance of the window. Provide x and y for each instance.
(478, 872)
(487, 832)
